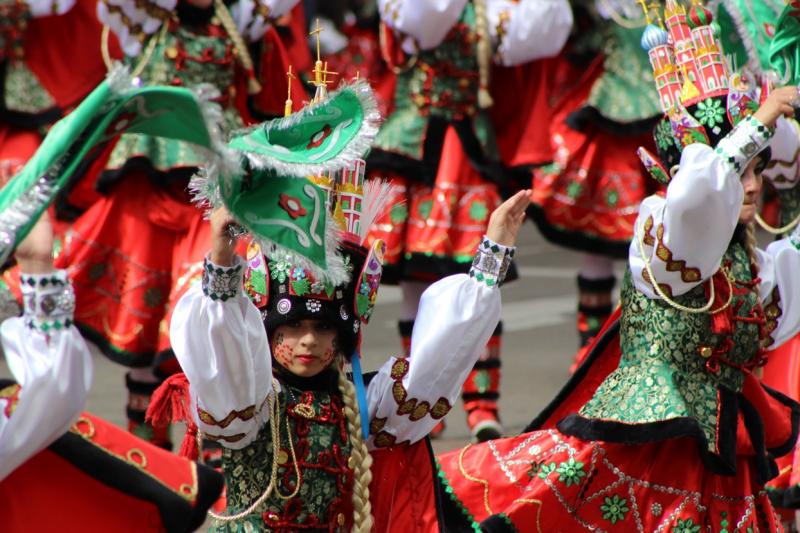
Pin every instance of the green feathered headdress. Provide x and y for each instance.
(116, 106)
(280, 196)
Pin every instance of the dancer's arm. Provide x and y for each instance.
(219, 339)
(528, 30)
(684, 235)
(455, 320)
(46, 354)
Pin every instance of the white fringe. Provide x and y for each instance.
(377, 194)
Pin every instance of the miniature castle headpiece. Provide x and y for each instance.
(701, 98)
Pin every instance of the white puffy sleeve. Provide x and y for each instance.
(456, 317)
(424, 23)
(52, 365)
(779, 267)
(134, 21)
(252, 17)
(684, 235)
(526, 30)
(48, 8)
(783, 169)
(219, 339)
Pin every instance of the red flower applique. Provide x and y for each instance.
(292, 206)
(319, 137)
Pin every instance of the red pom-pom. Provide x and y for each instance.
(170, 402)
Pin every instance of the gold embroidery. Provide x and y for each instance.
(245, 414)
(772, 312)
(10, 394)
(474, 479)
(136, 457)
(412, 406)
(376, 425)
(89, 433)
(538, 511)
(226, 438)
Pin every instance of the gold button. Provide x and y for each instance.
(340, 519)
(273, 517)
(706, 352)
(171, 52)
(282, 457)
(419, 100)
(215, 20)
(463, 83)
(351, 463)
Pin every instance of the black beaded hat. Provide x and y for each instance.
(284, 292)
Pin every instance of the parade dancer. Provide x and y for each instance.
(134, 252)
(79, 464)
(666, 426)
(439, 147)
(264, 342)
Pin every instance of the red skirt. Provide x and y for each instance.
(433, 232)
(545, 481)
(129, 257)
(589, 197)
(782, 373)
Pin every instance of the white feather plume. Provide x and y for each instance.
(377, 195)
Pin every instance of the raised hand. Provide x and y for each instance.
(779, 102)
(506, 220)
(35, 253)
(223, 243)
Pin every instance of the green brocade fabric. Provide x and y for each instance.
(443, 82)
(165, 154)
(661, 375)
(789, 200)
(784, 52)
(23, 92)
(625, 92)
(325, 489)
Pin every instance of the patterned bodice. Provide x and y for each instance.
(322, 448)
(184, 57)
(673, 362)
(188, 56)
(444, 80)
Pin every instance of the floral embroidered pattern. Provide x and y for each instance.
(614, 509)
(570, 472)
(321, 448)
(221, 283)
(686, 526)
(661, 376)
(688, 274)
(710, 112)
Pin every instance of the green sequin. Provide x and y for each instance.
(661, 375)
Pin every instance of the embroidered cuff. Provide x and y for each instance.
(743, 143)
(491, 262)
(221, 282)
(794, 238)
(48, 301)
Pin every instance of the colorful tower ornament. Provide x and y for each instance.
(686, 59)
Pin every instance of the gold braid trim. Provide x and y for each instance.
(253, 86)
(484, 53)
(361, 458)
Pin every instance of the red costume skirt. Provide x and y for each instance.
(547, 482)
(782, 373)
(130, 257)
(433, 232)
(589, 197)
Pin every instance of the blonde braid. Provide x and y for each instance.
(361, 459)
(750, 244)
(484, 53)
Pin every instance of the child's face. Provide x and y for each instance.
(305, 347)
(751, 183)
